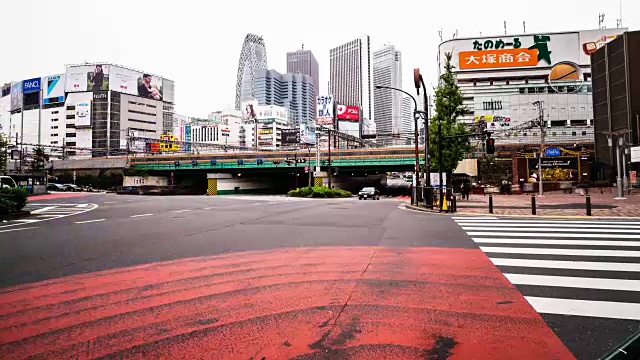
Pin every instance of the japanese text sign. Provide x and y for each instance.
(324, 115)
(502, 58)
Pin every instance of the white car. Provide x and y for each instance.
(6, 182)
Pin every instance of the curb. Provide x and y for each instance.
(551, 216)
(417, 208)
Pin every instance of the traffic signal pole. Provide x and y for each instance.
(329, 163)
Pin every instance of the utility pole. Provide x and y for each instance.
(540, 105)
(309, 164)
(329, 163)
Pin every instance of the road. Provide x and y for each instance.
(256, 277)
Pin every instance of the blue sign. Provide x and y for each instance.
(31, 85)
(552, 152)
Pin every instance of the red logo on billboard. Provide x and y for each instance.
(350, 113)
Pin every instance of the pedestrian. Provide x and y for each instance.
(466, 190)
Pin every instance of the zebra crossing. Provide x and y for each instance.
(566, 267)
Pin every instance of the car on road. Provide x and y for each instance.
(72, 187)
(369, 193)
(56, 187)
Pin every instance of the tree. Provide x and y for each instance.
(449, 108)
(40, 159)
(4, 143)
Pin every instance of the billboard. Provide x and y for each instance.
(83, 113)
(168, 90)
(16, 96)
(324, 116)
(53, 89)
(348, 113)
(495, 123)
(308, 134)
(290, 136)
(31, 85)
(135, 83)
(526, 50)
(249, 109)
(87, 78)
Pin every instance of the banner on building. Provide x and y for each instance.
(53, 89)
(87, 78)
(348, 113)
(168, 90)
(308, 134)
(495, 122)
(16, 96)
(290, 136)
(136, 83)
(83, 113)
(324, 115)
(249, 109)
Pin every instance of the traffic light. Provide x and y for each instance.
(490, 145)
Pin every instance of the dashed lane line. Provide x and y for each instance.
(19, 229)
(140, 215)
(90, 221)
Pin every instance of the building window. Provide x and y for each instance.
(584, 133)
(54, 127)
(54, 112)
(558, 122)
(71, 143)
(54, 120)
(578, 122)
(71, 126)
(54, 143)
(54, 135)
(573, 133)
(553, 133)
(71, 116)
(71, 135)
(71, 107)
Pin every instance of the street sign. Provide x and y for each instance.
(635, 154)
(306, 169)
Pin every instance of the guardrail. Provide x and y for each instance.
(273, 164)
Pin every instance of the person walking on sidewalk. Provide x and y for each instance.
(465, 189)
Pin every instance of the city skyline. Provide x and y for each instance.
(204, 71)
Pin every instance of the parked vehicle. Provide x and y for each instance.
(56, 187)
(369, 193)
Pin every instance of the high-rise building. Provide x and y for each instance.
(303, 62)
(350, 78)
(252, 56)
(407, 117)
(387, 71)
(294, 92)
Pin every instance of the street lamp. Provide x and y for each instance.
(415, 120)
(418, 81)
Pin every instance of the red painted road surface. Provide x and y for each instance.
(306, 303)
(57, 196)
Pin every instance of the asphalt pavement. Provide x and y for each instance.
(252, 277)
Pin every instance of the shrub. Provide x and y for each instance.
(319, 192)
(12, 200)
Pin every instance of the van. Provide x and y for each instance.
(6, 182)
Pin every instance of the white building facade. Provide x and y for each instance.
(351, 79)
(387, 71)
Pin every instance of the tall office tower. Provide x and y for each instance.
(252, 56)
(350, 78)
(303, 62)
(292, 91)
(407, 118)
(387, 71)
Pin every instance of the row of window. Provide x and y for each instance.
(553, 133)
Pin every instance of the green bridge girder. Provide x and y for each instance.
(268, 164)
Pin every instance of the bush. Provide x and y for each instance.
(319, 192)
(12, 200)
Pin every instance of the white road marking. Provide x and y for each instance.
(601, 309)
(576, 265)
(109, 202)
(461, 218)
(179, 211)
(82, 205)
(141, 215)
(556, 242)
(550, 229)
(211, 207)
(517, 225)
(537, 235)
(20, 229)
(89, 221)
(27, 221)
(574, 282)
(494, 221)
(569, 252)
(48, 208)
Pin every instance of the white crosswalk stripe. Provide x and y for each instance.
(567, 267)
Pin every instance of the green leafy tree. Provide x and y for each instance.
(40, 159)
(4, 143)
(449, 107)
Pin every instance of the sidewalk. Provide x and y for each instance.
(554, 203)
(54, 196)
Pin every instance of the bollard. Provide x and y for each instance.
(454, 204)
(588, 198)
(490, 203)
(533, 204)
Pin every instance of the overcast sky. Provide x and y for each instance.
(197, 43)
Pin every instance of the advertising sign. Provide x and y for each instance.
(225, 132)
(552, 151)
(187, 138)
(308, 134)
(325, 110)
(349, 113)
(635, 154)
(495, 122)
(31, 85)
(83, 114)
(168, 90)
(592, 40)
(135, 83)
(16, 96)
(100, 97)
(249, 109)
(87, 78)
(290, 136)
(53, 89)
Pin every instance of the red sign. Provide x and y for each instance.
(349, 113)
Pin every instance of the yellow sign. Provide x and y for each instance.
(266, 131)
